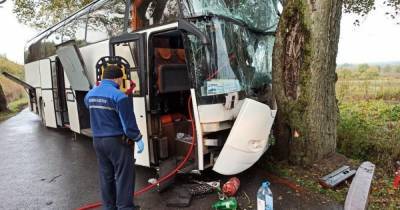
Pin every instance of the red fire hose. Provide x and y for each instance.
(164, 178)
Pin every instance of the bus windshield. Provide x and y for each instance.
(236, 61)
(239, 59)
(261, 15)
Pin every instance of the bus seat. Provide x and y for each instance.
(180, 53)
(164, 53)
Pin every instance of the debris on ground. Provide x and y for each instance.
(227, 204)
(264, 197)
(336, 177)
(231, 186)
(357, 196)
(203, 188)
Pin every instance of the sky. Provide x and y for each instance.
(377, 39)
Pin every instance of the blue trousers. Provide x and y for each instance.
(117, 172)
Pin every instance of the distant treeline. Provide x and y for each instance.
(367, 71)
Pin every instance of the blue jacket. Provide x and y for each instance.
(111, 112)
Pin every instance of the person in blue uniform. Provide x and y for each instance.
(115, 132)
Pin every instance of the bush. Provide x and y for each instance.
(370, 131)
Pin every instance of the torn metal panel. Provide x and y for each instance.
(357, 196)
(336, 177)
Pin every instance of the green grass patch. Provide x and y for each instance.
(14, 107)
(370, 130)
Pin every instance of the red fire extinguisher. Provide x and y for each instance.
(231, 186)
(396, 181)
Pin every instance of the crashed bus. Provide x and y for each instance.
(211, 59)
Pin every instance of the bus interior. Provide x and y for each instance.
(168, 86)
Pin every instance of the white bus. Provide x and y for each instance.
(216, 52)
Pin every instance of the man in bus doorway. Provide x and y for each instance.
(115, 133)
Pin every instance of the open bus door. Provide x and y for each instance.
(74, 68)
(47, 103)
(131, 46)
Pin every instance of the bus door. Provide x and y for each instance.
(47, 102)
(131, 46)
(77, 84)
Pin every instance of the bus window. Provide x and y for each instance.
(34, 51)
(105, 20)
(76, 30)
(130, 52)
(49, 44)
(145, 13)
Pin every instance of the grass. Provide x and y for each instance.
(12, 91)
(368, 130)
(11, 67)
(14, 107)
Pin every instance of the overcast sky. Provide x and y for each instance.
(376, 40)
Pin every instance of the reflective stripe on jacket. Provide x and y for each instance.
(111, 112)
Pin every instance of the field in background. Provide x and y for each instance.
(381, 88)
(364, 82)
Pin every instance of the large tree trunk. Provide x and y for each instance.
(304, 79)
(3, 100)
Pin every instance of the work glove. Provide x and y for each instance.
(140, 146)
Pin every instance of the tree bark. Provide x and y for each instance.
(304, 63)
(3, 100)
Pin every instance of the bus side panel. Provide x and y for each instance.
(139, 107)
(72, 107)
(32, 77)
(47, 93)
(32, 74)
(90, 55)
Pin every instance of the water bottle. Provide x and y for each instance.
(264, 197)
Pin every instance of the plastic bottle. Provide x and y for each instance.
(227, 204)
(231, 186)
(264, 197)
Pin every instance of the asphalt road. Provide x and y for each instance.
(43, 168)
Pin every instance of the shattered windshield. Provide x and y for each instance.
(237, 60)
(261, 15)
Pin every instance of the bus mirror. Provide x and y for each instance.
(186, 26)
